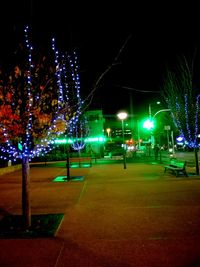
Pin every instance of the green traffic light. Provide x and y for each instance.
(148, 124)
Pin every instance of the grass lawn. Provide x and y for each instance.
(43, 225)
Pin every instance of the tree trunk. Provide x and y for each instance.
(67, 164)
(196, 160)
(79, 155)
(26, 210)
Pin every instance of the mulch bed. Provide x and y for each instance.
(43, 225)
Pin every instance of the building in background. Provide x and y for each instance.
(96, 139)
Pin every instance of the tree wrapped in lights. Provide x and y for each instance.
(183, 100)
(37, 103)
(79, 130)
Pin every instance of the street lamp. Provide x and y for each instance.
(150, 119)
(150, 112)
(167, 128)
(161, 110)
(122, 116)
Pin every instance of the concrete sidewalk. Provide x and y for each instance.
(116, 217)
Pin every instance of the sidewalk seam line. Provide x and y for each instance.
(56, 264)
(82, 191)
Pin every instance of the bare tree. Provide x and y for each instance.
(98, 81)
(183, 100)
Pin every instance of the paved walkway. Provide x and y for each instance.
(115, 217)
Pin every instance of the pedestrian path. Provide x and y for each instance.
(116, 217)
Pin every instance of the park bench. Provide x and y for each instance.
(80, 161)
(177, 168)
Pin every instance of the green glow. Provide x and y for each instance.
(82, 165)
(64, 178)
(99, 139)
(148, 124)
(63, 141)
(74, 165)
(60, 179)
(20, 146)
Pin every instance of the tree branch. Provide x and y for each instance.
(99, 79)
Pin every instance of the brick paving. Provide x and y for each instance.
(115, 217)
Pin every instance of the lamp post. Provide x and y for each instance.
(167, 127)
(161, 110)
(150, 112)
(150, 118)
(122, 116)
(149, 124)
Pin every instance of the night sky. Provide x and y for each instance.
(158, 34)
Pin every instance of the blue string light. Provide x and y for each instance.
(65, 114)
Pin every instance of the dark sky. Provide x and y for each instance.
(98, 30)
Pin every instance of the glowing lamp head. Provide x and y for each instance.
(122, 115)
